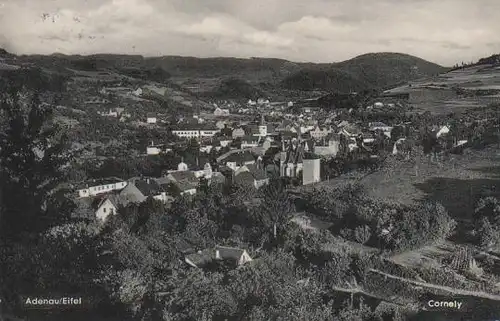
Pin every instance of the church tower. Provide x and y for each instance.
(262, 127)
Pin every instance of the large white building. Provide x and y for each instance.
(96, 187)
(195, 133)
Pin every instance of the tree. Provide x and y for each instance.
(487, 235)
(488, 207)
(276, 208)
(33, 152)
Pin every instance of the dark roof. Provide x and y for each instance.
(257, 173)
(229, 253)
(295, 155)
(150, 115)
(218, 178)
(289, 134)
(249, 138)
(180, 176)
(148, 187)
(186, 185)
(245, 178)
(202, 257)
(240, 157)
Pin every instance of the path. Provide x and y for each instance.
(477, 294)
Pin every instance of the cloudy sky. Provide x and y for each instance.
(442, 31)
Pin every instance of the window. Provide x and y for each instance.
(104, 210)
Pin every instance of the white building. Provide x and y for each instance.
(151, 119)
(102, 186)
(153, 150)
(311, 171)
(137, 92)
(105, 208)
(221, 112)
(195, 133)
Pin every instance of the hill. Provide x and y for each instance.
(368, 71)
(235, 88)
(216, 76)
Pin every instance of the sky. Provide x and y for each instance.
(441, 31)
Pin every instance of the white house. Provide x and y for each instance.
(137, 92)
(107, 206)
(151, 119)
(381, 126)
(442, 131)
(153, 150)
(96, 187)
(221, 112)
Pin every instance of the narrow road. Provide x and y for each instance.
(477, 294)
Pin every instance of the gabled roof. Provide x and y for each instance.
(230, 253)
(148, 187)
(244, 178)
(257, 173)
(201, 258)
(248, 138)
(181, 176)
(186, 185)
(240, 157)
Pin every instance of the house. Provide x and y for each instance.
(232, 255)
(382, 127)
(442, 131)
(257, 178)
(319, 132)
(195, 131)
(151, 118)
(221, 124)
(106, 206)
(137, 92)
(100, 186)
(238, 132)
(350, 130)
(138, 190)
(153, 150)
(236, 160)
(185, 181)
(221, 112)
(249, 141)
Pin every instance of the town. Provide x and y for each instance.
(150, 192)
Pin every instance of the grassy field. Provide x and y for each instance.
(457, 182)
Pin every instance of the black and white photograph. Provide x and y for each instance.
(265, 160)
